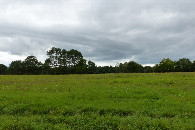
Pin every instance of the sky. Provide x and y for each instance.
(106, 32)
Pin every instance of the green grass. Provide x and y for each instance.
(107, 101)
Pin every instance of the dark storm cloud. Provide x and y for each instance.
(108, 31)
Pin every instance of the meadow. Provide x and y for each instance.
(102, 101)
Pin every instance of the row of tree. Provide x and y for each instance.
(61, 61)
(166, 65)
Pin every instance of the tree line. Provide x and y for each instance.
(61, 61)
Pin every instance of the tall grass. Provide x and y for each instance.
(108, 101)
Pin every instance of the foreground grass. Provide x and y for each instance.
(109, 101)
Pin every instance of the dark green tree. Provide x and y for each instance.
(16, 67)
(31, 65)
(91, 67)
(122, 68)
(156, 68)
(46, 69)
(63, 58)
(183, 65)
(193, 66)
(63, 68)
(166, 65)
(81, 67)
(105, 69)
(133, 67)
(147, 69)
(3, 69)
(73, 57)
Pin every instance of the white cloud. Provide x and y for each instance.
(106, 32)
(6, 58)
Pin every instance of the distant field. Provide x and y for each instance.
(107, 101)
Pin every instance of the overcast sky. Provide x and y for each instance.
(105, 31)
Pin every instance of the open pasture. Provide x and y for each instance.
(103, 101)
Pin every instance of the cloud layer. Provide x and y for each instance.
(106, 32)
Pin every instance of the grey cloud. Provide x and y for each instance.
(104, 31)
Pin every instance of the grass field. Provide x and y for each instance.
(107, 101)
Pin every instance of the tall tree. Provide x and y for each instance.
(63, 58)
(62, 61)
(166, 65)
(63, 68)
(73, 57)
(54, 56)
(31, 65)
